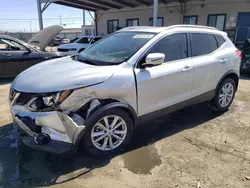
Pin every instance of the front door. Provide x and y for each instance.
(167, 84)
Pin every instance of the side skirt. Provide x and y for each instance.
(196, 100)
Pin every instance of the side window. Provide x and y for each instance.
(95, 40)
(174, 47)
(10, 45)
(220, 40)
(203, 44)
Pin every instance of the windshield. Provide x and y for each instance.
(84, 40)
(115, 49)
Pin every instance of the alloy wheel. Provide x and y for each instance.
(226, 95)
(109, 132)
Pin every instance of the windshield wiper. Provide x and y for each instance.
(87, 61)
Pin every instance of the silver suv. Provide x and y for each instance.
(138, 73)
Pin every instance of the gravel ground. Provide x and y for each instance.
(189, 148)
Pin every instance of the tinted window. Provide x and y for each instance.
(220, 40)
(174, 47)
(203, 44)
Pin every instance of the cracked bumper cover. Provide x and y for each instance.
(63, 131)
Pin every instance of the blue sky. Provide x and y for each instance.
(18, 15)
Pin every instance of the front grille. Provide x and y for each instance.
(62, 50)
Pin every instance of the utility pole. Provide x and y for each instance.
(155, 12)
(60, 19)
(30, 27)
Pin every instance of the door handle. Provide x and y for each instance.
(186, 68)
(222, 61)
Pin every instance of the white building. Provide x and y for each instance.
(232, 16)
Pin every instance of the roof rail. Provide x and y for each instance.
(191, 26)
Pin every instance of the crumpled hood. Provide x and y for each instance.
(73, 45)
(60, 74)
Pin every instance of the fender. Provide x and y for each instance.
(122, 105)
(226, 75)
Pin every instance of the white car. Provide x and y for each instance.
(101, 95)
(78, 46)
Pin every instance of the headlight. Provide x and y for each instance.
(51, 100)
(47, 102)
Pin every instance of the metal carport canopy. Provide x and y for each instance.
(94, 5)
(104, 5)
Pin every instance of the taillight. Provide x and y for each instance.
(239, 53)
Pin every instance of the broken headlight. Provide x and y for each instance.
(47, 102)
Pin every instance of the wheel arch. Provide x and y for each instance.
(232, 75)
(106, 104)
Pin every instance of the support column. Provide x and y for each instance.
(155, 12)
(40, 17)
(96, 22)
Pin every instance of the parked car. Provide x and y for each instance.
(102, 94)
(73, 40)
(16, 55)
(78, 46)
(58, 41)
(245, 64)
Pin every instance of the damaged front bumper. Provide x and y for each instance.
(53, 131)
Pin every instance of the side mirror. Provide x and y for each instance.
(154, 59)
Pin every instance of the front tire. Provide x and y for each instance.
(224, 95)
(108, 132)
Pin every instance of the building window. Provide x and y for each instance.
(113, 25)
(88, 32)
(160, 21)
(132, 22)
(190, 20)
(217, 20)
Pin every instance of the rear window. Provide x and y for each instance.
(220, 40)
(203, 44)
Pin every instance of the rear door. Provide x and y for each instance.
(209, 60)
(15, 57)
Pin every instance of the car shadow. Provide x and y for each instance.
(23, 167)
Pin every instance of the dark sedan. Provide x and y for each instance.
(16, 56)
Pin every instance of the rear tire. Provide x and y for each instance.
(113, 138)
(224, 95)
